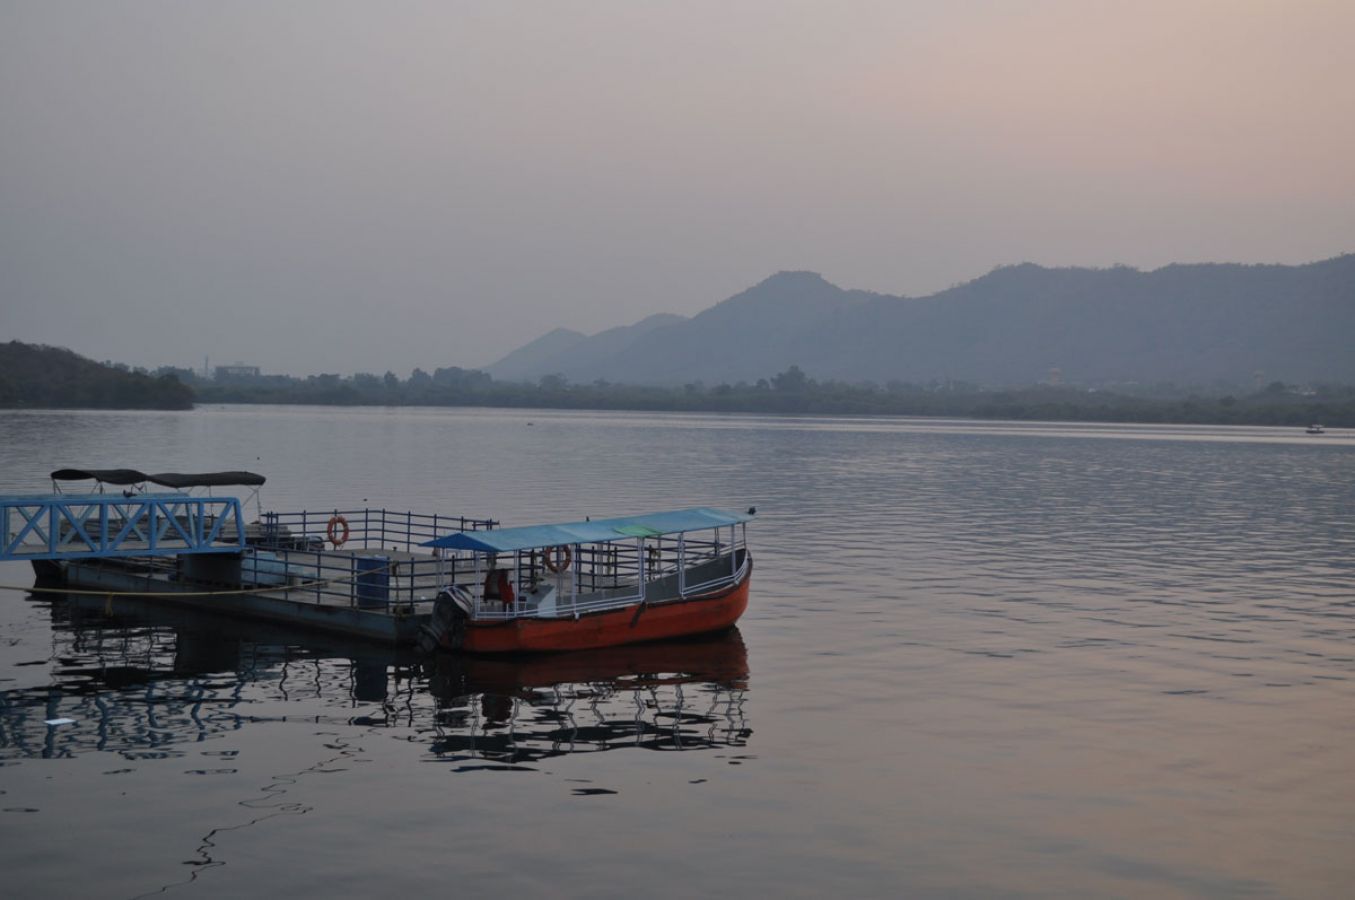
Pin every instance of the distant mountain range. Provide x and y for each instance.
(1191, 324)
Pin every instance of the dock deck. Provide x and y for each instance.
(380, 584)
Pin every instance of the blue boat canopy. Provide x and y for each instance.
(527, 537)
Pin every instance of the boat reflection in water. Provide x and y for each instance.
(143, 681)
(674, 695)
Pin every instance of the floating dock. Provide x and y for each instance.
(395, 576)
(358, 572)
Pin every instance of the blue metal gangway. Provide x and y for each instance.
(74, 526)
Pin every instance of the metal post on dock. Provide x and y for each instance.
(682, 564)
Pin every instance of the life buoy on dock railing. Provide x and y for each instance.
(336, 525)
(557, 558)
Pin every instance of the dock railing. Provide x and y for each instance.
(90, 526)
(377, 563)
(366, 528)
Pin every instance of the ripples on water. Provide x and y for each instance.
(981, 659)
(155, 696)
(143, 682)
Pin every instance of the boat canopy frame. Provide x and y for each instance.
(591, 531)
(175, 481)
(634, 553)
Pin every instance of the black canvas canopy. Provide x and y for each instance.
(105, 476)
(206, 479)
(176, 480)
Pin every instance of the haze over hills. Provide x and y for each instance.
(580, 349)
(1191, 324)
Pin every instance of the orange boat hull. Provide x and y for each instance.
(631, 625)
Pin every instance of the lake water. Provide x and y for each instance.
(980, 660)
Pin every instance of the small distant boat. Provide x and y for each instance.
(596, 583)
(1315, 429)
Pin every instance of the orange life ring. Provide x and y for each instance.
(557, 558)
(337, 524)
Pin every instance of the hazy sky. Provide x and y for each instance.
(341, 186)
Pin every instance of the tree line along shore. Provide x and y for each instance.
(34, 377)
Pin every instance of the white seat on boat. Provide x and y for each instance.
(541, 601)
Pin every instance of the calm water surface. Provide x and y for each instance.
(981, 660)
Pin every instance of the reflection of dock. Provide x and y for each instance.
(143, 681)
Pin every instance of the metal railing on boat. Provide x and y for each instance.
(669, 585)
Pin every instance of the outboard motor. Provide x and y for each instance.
(446, 627)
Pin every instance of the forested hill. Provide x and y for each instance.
(33, 375)
(1188, 324)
